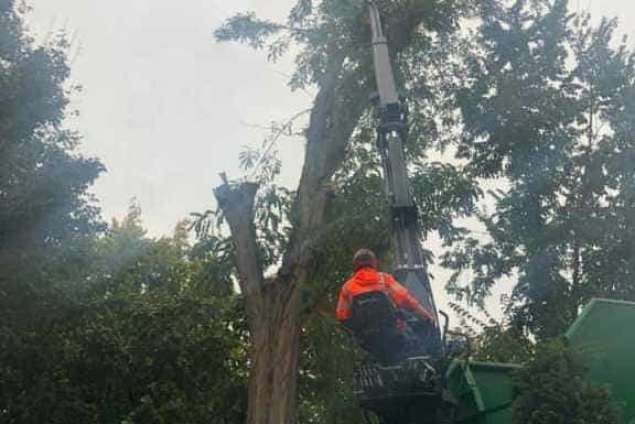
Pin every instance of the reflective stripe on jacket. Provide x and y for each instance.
(369, 280)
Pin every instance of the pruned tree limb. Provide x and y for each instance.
(237, 201)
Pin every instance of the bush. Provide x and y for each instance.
(553, 390)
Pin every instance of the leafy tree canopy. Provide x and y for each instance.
(150, 339)
(553, 389)
(43, 180)
(548, 110)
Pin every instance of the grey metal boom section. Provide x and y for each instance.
(384, 76)
(410, 267)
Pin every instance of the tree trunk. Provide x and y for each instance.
(274, 356)
(273, 316)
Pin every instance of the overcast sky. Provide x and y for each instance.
(166, 108)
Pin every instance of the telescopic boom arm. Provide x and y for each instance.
(410, 266)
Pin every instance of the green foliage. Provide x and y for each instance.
(112, 329)
(127, 262)
(149, 339)
(42, 180)
(444, 192)
(490, 340)
(553, 389)
(544, 111)
(328, 32)
(46, 214)
(142, 359)
(245, 27)
(327, 360)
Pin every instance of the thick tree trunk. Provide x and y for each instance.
(273, 309)
(274, 356)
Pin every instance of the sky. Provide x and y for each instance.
(163, 105)
(167, 109)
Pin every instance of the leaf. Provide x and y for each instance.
(246, 28)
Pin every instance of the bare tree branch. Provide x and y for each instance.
(237, 202)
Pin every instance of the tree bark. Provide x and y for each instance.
(274, 356)
(271, 314)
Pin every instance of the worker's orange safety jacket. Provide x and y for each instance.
(367, 280)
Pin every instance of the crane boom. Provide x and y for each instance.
(413, 390)
(384, 76)
(410, 267)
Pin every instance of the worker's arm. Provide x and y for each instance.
(343, 311)
(404, 299)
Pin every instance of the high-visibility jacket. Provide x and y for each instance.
(368, 280)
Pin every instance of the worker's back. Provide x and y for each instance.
(368, 279)
(365, 280)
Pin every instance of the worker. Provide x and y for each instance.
(361, 291)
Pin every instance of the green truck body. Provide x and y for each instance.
(484, 391)
(604, 334)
